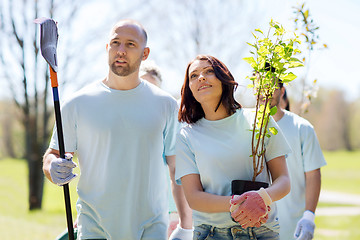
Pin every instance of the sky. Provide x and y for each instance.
(335, 67)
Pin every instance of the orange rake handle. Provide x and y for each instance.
(53, 78)
(54, 85)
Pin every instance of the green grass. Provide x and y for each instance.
(342, 172)
(337, 228)
(16, 222)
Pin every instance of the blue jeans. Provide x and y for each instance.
(234, 233)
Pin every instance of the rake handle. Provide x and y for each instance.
(54, 85)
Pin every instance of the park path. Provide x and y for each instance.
(351, 200)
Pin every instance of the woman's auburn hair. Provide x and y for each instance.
(190, 109)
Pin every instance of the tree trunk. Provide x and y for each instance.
(36, 181)
(34, 158)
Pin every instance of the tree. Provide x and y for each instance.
(272, 57)
(11, 131)
(180, 30)
(331, 116)
(305, 26)
(354, 124)
(26, 72)
(27, 77)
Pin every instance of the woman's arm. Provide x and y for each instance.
(200, 200)
(280, 178)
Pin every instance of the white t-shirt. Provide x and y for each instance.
(306, 156)
(220, 152)
(120, 138)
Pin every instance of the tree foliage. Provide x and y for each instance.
(27, 77)
(307, 29)
(273, 56)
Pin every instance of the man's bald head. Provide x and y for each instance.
(131, 23)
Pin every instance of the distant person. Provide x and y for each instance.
(120, 128)
(215, 148)
(297, 209)
(284, 101)
(151, 72)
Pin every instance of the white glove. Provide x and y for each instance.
(181, 234)
(61, 170)
(305, 227)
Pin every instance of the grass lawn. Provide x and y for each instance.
(16, 222)
(342, 174)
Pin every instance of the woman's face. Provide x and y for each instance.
(203, 83)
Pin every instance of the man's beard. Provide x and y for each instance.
(126, 70)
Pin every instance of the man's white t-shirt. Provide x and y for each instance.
(120, 138)
(306, 156)
(219, 151)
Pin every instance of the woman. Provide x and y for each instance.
(214, 149)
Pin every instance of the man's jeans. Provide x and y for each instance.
(234, 233)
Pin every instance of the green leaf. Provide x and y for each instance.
(306, 14)
(252, 78)
(250, 60)
(279, 49)
(295, 64)
(273, 110)
(273, 130)
(253, 45)
(258, 30)
(288, 77)
(250, 86)
(263, 51)
(294, 59)
(262, 108)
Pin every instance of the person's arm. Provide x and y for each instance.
(280, 186)
(200, 200)
(306, 225)
(184, 211)
(251, 208)
(49, 156)
(312, 189)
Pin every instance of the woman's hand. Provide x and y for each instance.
(251, 208)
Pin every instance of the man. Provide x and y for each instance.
(284, 102)
(151, 73)
(183, 230)
(120, 128)
(297, 209)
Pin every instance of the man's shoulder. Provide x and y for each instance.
(159, 93)
(90, 89)
(298, 120)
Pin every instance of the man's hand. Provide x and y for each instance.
(61, 170)
(251, 208)
(305, 227)
(181, 234)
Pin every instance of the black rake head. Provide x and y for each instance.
(48, 40)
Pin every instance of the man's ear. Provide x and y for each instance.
(146, 53)
(282, 89)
